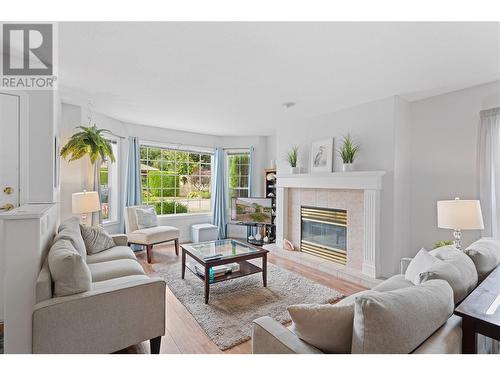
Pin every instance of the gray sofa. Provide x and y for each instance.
(455, 268)
(122, 307)
(271, 337)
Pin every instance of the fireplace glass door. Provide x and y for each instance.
(324, 233)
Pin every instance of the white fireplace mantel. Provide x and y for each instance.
(370, 182)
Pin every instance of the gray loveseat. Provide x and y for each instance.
(455, 268)
(123, 306)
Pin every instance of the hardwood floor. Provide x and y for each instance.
(184, 335)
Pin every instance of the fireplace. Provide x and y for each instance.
(324, 233)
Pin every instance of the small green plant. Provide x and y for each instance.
(170, 207)
(293, 156)
(348, 150)
(443, 243)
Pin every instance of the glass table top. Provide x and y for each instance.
(220, 249)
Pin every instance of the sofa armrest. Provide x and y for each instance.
(271, 337)
(120, 239)
(404, 265)
(101, 321)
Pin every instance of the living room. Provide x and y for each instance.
(250, 188)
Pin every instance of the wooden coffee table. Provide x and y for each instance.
(480, 312)
(215, 253)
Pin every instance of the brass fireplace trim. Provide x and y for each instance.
(324, 216)
(337, 256)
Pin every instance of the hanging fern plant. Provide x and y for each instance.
(89, 141)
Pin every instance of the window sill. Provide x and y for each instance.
(110, 223)
(180, 216)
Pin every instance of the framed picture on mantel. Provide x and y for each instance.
(321, 159)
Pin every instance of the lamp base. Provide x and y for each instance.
(457, 239)
(83, 220)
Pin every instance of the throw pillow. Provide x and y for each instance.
(485, 253)
(70, 230)
(420, 263)
(96, 239)
(146, 217)
(327, 327)
(68, 269)
(393, 283)
(454, 267)
(397, 322)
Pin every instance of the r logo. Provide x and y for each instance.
(27, 49)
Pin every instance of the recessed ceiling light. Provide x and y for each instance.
(288, 104)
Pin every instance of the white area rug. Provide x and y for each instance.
(234, 304)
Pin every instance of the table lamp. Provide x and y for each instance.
(459, 214)
(84, 203)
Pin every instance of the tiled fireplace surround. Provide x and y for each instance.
(350, 200)
(356, 192)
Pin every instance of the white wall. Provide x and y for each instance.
(77, 175)
(444, 137)
(373, 125)
(402, 184)
(272, 148)
(428, 148)
(42, 120)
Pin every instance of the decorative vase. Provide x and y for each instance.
(287, 245)
(294, 170)
(258, 236)
(347, 167)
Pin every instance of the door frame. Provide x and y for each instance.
(23, 144)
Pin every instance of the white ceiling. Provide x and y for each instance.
(232, 78)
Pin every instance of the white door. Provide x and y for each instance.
(9, 167)
(9, 151)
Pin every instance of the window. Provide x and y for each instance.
(176, 181)
(109, 186)
(238, 171)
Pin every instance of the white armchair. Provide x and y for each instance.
(148, 236)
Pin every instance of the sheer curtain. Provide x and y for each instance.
(134, 197)
(219, 192)
(251, 182)
(97, 216)
(489, 171)
(133, 189)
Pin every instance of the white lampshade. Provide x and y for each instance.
(459, 214)
(85, 202)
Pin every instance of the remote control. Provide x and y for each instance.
(213, 257)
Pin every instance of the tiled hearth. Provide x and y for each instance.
(323, 265)
(358, 193)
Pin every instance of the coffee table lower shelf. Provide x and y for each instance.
(231, 251)
(246, 268)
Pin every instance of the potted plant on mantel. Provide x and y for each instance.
(293, 158)
(348, 151)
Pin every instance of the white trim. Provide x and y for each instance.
(371, 184)
(23, 144)
(371, 240)
(106, 223)
(24, 149)
(193, 214)
(236, 151)
(176, 146)
(336, 180)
